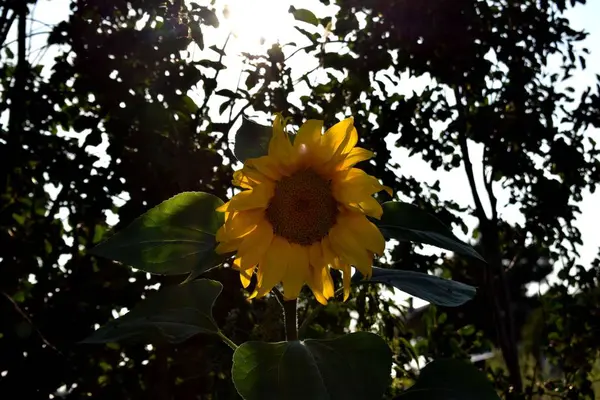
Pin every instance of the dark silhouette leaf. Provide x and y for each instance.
(304, 15)
(251, 140)
(449, 379)
(405, 222)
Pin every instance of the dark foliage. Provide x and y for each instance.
(123, 80)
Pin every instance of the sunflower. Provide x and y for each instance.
(303, 210)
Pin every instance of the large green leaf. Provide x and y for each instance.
(443, 292)
(175, 237)
(355, 366)
(251, 140)
(448, 379)
(175, 314)
(405, 222)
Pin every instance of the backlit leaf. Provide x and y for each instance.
(175, 237)
(443, 292)
(174, 313)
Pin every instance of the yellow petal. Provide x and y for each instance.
(254, 245)
(341, 138)
(388, 190)
(248, 178)
(370, 207)
(228, 247)
(350, 250)
(355, 156)
(340, 154)
(327, 251)
(315, 254)
(320, 279)
(274, 266)
(240, 224)
(364, 231)
(297, 272)
(320, 283)
(354, 185)
(346, 275)
(280, 146)
(328, 287)
(266, 165)
(258, 197)
(221, 231)
(309, 135)
(245, 277)
(237, 264)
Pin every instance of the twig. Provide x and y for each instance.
(214, 81)
(30, 322)
(237, 88)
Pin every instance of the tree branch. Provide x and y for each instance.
(490, 192)
(500, 299)
(462, 141)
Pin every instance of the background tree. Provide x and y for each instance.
(121, 79)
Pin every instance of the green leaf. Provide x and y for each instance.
(175, 237)
(175, 313)
(448, 379)
(304, 15)
(210, 262)
(355, 366)
(405, 222)
(443, 292)
(251, 140)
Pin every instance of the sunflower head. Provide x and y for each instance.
(303, 210)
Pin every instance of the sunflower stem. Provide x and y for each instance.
(290, 319)
(290, 315)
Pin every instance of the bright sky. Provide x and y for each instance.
(252, 20)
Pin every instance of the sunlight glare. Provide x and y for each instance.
(258, 23)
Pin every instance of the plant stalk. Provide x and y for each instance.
(290, 319)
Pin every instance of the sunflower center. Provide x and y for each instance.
(302, 209)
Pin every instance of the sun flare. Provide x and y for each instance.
(257, 23)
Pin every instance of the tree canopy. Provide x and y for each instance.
(134, 109)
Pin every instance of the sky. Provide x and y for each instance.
(249, 20)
